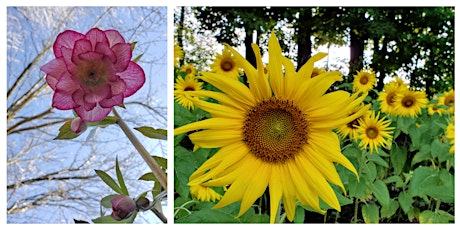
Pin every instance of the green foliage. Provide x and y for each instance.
(150, 132)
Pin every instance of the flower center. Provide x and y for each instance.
(364, 80)
(227, 65)
(92, 74)
(188, 71)
(275, 130)
(189, 88)
(408, 101)
(449, 100)
(372, 132)
(391, 98)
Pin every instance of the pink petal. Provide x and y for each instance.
(96, 114)
(114, 37)
(96, 35)
(133, 77)
(124, 54)
(66, 39)
(63, 101)
(81, 46)
(118, 86)
(113, 101)
(96, 95)
(54, 70)
(104, 48)
(77, 96)
(67, 57)
(66, 84)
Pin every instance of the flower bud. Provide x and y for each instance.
(143, 203)
(122, 207)
(78, 125)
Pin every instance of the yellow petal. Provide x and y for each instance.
(306, 70)
(215, 138)
(274, 59)
(232, 87)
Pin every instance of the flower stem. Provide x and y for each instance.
(156, 169)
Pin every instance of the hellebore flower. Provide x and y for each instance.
(78, 125)
(122, 207)
(92, 72)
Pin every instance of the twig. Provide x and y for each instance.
(156, 169)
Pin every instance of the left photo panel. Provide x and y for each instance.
(86, 115)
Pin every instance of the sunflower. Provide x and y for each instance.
(351, 129)
(317, 71)
(226, 64)
(178, 54)
(387, 98)
(188, 69)
(276, 133)
(448, 99)
(450, 134)
(364, 80)
(203, 193)
(410, 103)
(183, 87)
(373, 132)
(434, 108)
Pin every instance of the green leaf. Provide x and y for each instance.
(398, 156)
(109, 120)
(381, 193)
(208, 216)
(182, 116)
(405, 201)
(109, 219)
(378, 160)
(390, 209)
(370, 171)
(435, 217)
(431, 182)
(123, 188)
(109, 181)
(163, 162)
(358, 189)
(65, 133)
(299, 216)
(153, 133)
(370, 213)
(422, 155)
(395, 179)
(105, 201)
(147, 177)
(138, 58)
(133, 45)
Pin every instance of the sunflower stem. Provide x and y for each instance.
(156, 169)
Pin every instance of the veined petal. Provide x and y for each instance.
(81, 46)
(276, 75)
(96, 35)
(321, 186)
(232, 87)
(124, 54)
(66, 39)
(211, 123)
(54, 71)
(218, 110)
(257, 185)
(114, 37)
(97, 114)
(63, 101)
(133, 77)
(306, 70)
(112, 101)
(215, 138)
(104, 48)
(332, 151)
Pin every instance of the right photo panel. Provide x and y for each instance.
(314, 115)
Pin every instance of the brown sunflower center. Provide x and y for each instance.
(391, 98)
(188, 71)
(449, 100)
(372, 132)
(364, 80)
(227, 65)
(189, 88)
(408, 101)
(353, 124)
(275, 130)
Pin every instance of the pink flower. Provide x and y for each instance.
(92, 72)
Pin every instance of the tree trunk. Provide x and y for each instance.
(304, 41)
(356, 53)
